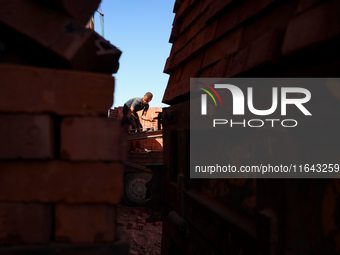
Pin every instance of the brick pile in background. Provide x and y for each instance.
(60, 157)
(155, 144)
(117, 113)
(151, 113)
(250, 39)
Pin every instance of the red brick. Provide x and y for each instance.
(205, 5)
(129, 225)
(92, 138)
(173, 79)
(240, 14)
(200, 41)
(180, 86)
(175, 31)
(218, 6)
(306, 4)
(222, 48)
(183, 9)
(312, 27)
(203, 38)
(177, 5)
(190, 70)
(85, 223)
(140, 226)
(266, 49)
(237, 62)
(167, 66)
(26, 136)
(57, 181)
(220, 69)
(170, 90)
(59, 34)
(107, 56)
(206, 72)
(25, 223)
(197, 26)
(181, 56)
(190, 17)
(276, 18)
(68, 93)
(179, 43)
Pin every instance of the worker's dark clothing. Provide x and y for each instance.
(136, 103)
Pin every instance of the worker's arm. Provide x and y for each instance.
(145, 118)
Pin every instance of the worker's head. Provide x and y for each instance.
(147, 97)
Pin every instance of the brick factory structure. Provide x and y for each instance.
(62, 166)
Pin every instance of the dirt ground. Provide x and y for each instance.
(144, 238)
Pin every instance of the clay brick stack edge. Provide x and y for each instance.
(61, 160)
(266, 38)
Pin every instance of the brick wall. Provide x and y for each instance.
(60, 157)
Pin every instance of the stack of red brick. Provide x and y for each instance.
(116, 113)
(263, 38)
(250, 39)
(155, 144)
(60, 157)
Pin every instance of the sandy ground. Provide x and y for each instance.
(144, 238)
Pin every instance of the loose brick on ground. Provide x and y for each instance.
(31, 90)
(92, 138)
(25, 223)
(58, 181)
(85, 223)
(26, 136)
